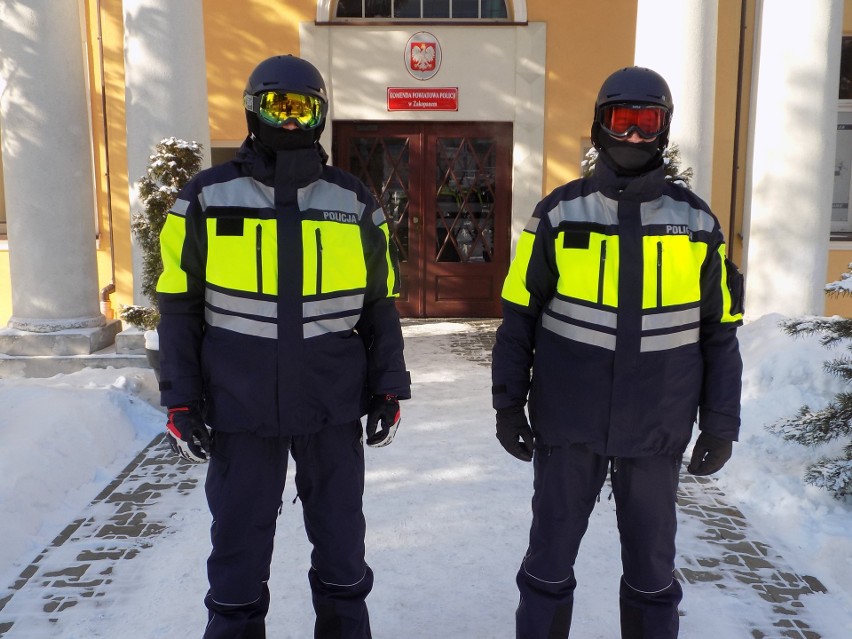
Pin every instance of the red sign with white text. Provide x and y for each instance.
(423, 99)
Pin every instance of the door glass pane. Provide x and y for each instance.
(383, 165)
(464, 215)
(465, 8)
(436, 8)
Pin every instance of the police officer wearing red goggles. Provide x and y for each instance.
(620, 312)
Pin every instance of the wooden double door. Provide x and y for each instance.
(446, 192)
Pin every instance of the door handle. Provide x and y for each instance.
(415, 220)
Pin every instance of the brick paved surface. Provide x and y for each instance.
(132, 513)
(125, 519)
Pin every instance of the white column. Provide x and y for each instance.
(166, 88)
(677, 39)
(788, 196)
(47, 161)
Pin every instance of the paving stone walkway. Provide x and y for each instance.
(126, 518)
(132, 513)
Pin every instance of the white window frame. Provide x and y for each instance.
(840, 223)
(516, 11)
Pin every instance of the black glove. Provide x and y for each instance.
(709, 454)
(384, 409)
(187, 433)
(514, 432)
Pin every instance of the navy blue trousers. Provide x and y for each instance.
(567, 484)
(245, 482)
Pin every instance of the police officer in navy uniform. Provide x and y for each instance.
(620, 312)
(279, 331)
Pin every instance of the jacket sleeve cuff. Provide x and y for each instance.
(503, 396)
(718, 424)
(182, 391)
(393, 383)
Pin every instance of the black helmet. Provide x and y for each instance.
(285, 73)
(634, 85)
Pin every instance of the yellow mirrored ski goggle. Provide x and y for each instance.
(276, 108)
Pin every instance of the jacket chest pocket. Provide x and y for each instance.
(588, 266)
(333, 257)
(672, 270)
(242, 254)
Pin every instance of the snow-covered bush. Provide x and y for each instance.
(173, 164)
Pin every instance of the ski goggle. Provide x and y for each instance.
(276, 108)
(620, 120)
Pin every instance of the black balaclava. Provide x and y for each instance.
(631, 158)
(277, 139)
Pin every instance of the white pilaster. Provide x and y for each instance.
(788, 197)
(47, 161)
(166, 88)
(677, 39)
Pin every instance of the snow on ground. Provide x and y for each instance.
(447, 510)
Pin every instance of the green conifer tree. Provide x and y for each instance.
(814, 428)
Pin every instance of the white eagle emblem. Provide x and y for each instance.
(422, 56)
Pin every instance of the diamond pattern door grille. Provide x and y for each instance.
(465, 197)
(382, 163)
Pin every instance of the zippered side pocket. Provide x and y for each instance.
(601, 272)
(259, 256)
(318, 235)
(659, 274)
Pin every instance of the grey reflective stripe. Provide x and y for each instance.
(578, 333)
(333, 305)
(532, 225)
(245, 192)
(325, 196)
(666, 210)
(325, 326)
(379, 217)
(591, 208)
(180, 207)
(241, 304)
(242, 325)
(583, 313)
(671, 320)
(670, 341)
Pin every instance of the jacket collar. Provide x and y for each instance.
(299, 167)
(644, 187)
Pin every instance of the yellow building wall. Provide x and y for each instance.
(585, 43)
(105, 35)
(5, 289)
(237, 36)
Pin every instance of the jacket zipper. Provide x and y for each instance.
(259, 256)
(319, 261)
(659, 274)
(601, 270)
